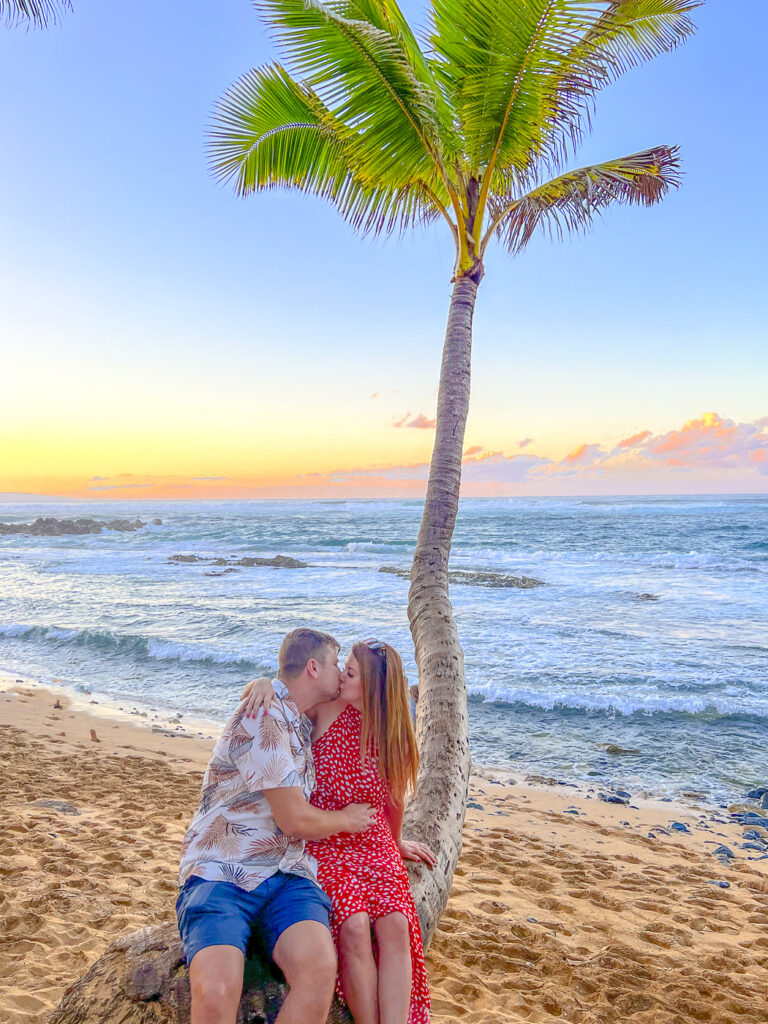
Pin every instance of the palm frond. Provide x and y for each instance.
(523, 76)
(39, 13)
(569, 202)
(270, 131)
(386, 15)
(384, 209)
(627, 33)
(363, 76)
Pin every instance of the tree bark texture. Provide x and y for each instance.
(142, 978)
(436, 814)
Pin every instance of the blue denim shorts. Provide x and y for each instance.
(223, 914)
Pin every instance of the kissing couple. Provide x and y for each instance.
(307, 785)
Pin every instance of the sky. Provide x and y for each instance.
(161, 338)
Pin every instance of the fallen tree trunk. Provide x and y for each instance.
(142, 978)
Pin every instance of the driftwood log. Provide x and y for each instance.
(142, 979)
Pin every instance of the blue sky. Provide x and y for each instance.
(143, 305)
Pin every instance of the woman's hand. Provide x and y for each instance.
(416, 851)
(258, 695)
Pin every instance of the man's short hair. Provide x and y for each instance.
(299, 646)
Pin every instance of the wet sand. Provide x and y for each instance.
(553, 916)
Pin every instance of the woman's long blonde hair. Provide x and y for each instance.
(386, 728)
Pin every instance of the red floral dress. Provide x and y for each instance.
(363, 872)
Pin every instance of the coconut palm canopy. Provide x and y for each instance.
(473, 123)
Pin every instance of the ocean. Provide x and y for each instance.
(650, 633)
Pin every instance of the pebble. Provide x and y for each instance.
(609, 798)
(474, 805)
(757, 794)
(720, 885)
(532, 920)
(724, 853)
(57, 805)
(751, 819)
(678, 826)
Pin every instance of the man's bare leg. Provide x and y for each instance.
(216, 983)
(359, 976)
(394, 942)
(305, 954)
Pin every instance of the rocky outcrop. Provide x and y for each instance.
(142, 979)
(477, 578)
(46, 526)
(277, 562)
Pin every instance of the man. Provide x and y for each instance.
(243, 865)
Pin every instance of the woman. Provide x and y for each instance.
(365, 751)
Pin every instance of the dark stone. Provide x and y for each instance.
(751, 819)
(609, 798)
(757, 794)
(223, 572)
(495, 580)
(157, 522)
(647, 597)
(678, 826)
(277, 562)
(614, 748)
(723, 853)
(57, 805)
(474, 805)
(720, 885)
(46, 526)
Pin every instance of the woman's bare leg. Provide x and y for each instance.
(394, 943)
(358, 969)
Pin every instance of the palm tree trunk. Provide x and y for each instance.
(436, 814)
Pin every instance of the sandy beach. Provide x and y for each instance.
(564, 908)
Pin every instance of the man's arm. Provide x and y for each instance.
(298, 818)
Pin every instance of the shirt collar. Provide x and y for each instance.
(284, 694)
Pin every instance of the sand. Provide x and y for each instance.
(553, 916)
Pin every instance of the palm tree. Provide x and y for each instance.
(473, 127)
(39, 13)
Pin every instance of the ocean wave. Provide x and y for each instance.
(376, 547)
(615, 704)
(690, 560)
(140, 648)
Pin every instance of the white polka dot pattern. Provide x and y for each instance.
(363, 872)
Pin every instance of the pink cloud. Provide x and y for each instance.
(711, 442)
(480, 454)
(584, 455)
(630, 442)
(706, 451)
(419, 422)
